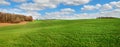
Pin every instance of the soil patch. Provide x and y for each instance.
(8, 24)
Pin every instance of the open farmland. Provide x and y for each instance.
(62, 33)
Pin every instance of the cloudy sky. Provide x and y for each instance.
(62, 9)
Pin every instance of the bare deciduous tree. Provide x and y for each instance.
(14, 18)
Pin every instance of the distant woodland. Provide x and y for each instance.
(106, 17)
(14, 18)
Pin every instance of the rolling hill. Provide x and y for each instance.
(62, 33)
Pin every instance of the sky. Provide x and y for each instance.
(62, 9)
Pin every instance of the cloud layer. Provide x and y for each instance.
(3, 2)
(32, 7)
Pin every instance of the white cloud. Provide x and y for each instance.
(31, 6)
(39, 1)
(19, 0)
(106, 7)
(114, 13)
(36, 6)
(67, 10)
(67, 2)
(115, 4)
(91, 7)
(71, 15)
(12, 10)
(40, 5)
(88, 7)
(4, 2)
(34, 14)
(75, 2)
(98, 6)
(63, 13)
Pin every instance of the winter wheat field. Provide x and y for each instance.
(62, 33)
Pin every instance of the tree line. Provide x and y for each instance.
(106, 17)
(14, 18)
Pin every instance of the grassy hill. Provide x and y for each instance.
(63, 33)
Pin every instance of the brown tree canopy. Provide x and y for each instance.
(13, 18)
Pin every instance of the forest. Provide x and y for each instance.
(14, 18)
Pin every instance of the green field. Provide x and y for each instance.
(63, 33)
